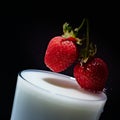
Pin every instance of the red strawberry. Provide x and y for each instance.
(60, 53)
(62, 50)
(92, 75)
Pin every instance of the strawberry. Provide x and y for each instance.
(60, 53)
(90, 72)
(92, 75)
(62, 50)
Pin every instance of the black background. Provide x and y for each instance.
(26, 31)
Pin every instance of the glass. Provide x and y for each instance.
(45, 95)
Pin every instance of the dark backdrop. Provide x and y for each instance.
(24, 37)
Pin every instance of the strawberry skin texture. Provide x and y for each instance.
(92, 75)
(60, 53)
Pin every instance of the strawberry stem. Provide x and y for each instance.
(76, 30)
(89, 50)
(87, 34)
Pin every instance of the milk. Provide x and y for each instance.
(45, 95)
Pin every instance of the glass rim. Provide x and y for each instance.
(59, 74)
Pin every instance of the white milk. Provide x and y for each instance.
(45, 95)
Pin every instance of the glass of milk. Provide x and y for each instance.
(45, 95)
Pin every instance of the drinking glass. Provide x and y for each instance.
(46, 95)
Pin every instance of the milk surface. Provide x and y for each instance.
(45, 95)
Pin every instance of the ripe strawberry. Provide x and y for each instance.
(60, 53)
(62, 50)
(91, 72)
(92, 75)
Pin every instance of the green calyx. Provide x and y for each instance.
(69, 32)
(88, 49)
